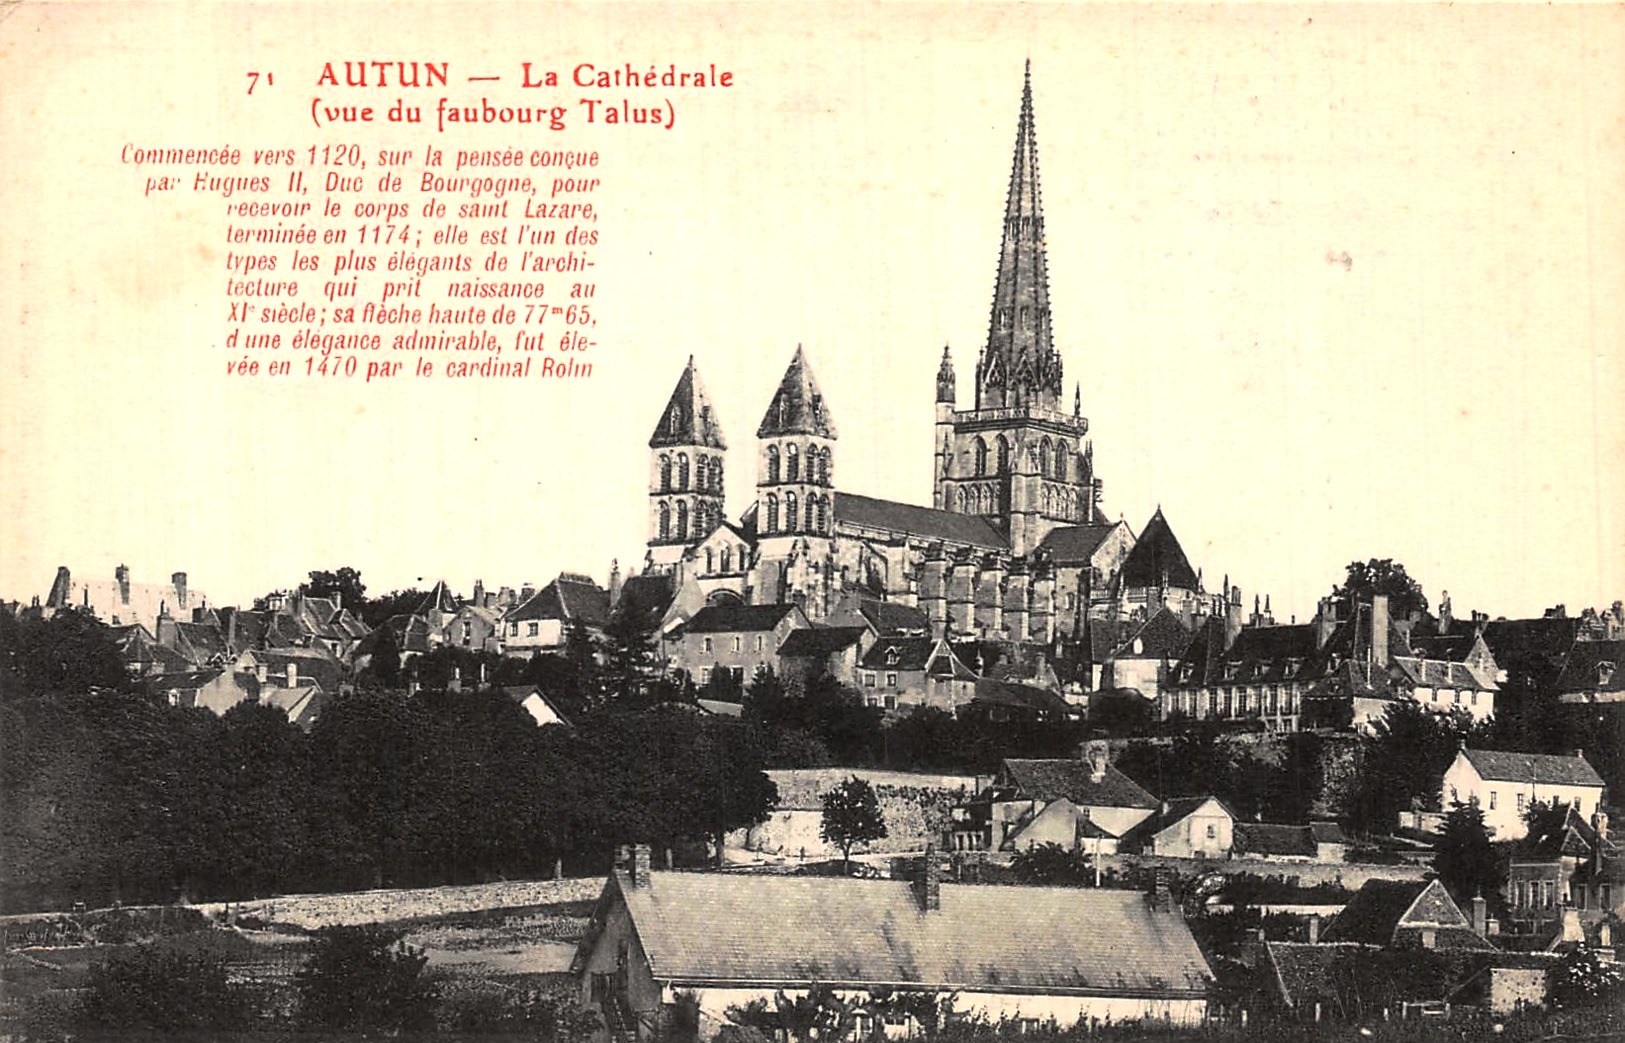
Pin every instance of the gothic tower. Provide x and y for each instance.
(795, 494)
(685, 472)
(1018, 457)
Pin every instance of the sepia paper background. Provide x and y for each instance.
(1336, 282)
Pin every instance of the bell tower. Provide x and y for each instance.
(1018, 457)
(685, 472)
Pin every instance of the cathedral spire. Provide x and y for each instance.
(1020, 366)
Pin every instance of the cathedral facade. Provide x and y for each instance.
(1015, 546)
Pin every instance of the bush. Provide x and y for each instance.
(144, 988)
(363, 979)
(1584, 979)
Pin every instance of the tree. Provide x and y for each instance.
(851, 817)
(1405, 761)
(364, 979)
(1468, 865)
(68, 652)
(344, 584)
(1383, 576)
(1050, 863)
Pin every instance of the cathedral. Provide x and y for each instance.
(1015, 546)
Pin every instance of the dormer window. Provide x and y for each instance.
(1605, 672)
(1292, 667)
(891, 657)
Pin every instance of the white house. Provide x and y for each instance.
(1504, 784)
(1030, 954)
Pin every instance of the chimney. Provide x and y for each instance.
(479, 593)
(456, 682)
(1444, 612)
(122, 574)
(614, 583)
(1481, 916)
(526, 592)
(1162, 899)
(167, 632)
(930, 881)
(179, 579)
(293, 674)
(1325, 623)
(1314, 928)
(1379, 632)
(1232, 618)
(638, 872)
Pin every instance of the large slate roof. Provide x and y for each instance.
(1048, 780)
(1157, 553)
(927, 522)
(688, 419)
(1553, 769)
(1074, 544)
(784, 930)
(728, 619)
(798, 407)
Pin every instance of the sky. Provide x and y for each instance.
(1336, 282)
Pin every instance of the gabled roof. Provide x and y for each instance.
(1075, 544)
(437, 600)
(1439, 673)
(1574, 837)
(867, 512)
(736, 619)
(1594, 666)
(798, 407)
(891, 617)
(899, 653)
(570, 598)
(786, 930)
(821, 641)
(1172, 812)
(688, 418)
(1028, 697)
(646, 598)
(1382, 910)
(1163, 636)
(1157, 554)
(1552, 769)
(1047, 780)
(1263, 838)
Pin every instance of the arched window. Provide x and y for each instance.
(1061, 453)
(665, 473)
(682, 520)
(1043, 457)
(665, 521)
(1048, 501)
(1004, 455)
(981, 457)
(682, 472)
(812, 514)
(716, 474)
(790, 515)
(727, 559)
(772, 513)
(710, 564)
(961, 497)
(792, 463)
(823, 514)
(772, 463)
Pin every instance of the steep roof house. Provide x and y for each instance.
(725, 939)
(914, 671)
(736, 639)
(1405, 914)
(1072, 802)
(1504, 783)
(543, 623)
